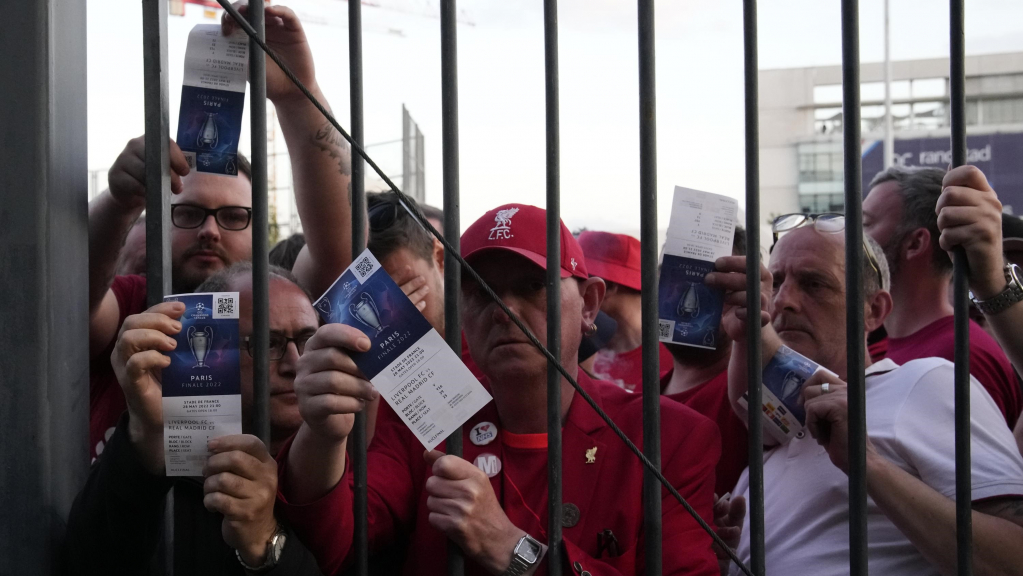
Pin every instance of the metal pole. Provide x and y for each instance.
(358, 198)
(260, 234)
(648, 244)
(855, 340)
(452, 225)
(550, 26)
(964, 489)
(889, 135)
(154, 58)
(43, 268)
(754, 363)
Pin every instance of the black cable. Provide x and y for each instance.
(414, 210)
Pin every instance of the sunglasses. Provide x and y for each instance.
(825, 223)
(384, 214)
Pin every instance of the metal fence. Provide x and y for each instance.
(158, 186)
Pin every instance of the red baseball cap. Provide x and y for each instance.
(522, 229)
(613, 257)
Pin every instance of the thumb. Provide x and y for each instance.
(431, 456)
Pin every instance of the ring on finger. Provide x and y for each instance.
(826, 388)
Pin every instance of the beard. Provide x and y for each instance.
(893, 253)
(185, 279)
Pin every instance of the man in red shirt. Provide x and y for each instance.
(899, 213)
(211, 215)
(615, 258)
(490, 508)
(699, 379)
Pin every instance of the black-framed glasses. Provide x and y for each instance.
(227, 217)
(278, 344)
(825, 223)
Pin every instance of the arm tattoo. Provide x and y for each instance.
(1010, 509)
(330, 141)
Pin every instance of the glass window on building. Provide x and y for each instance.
(819, 203)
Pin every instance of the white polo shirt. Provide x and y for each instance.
(911, 422)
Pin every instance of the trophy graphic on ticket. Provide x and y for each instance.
(199, 343)
(208, 134)
(365, 310)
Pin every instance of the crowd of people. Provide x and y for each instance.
(288, 508)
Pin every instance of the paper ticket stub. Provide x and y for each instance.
(784, 377)
(701, 230)
(202, 385)
(212, 99)
(409, 364)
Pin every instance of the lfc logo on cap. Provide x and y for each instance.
(502, 230)
(483, 433)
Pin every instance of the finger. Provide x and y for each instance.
(966, 176)
(157, 321)
(228, 483)
(322, 406)
(335, 383)
(228, 506)
(338, 336)
(737, 511)
(447, 506)
(431, 457)
(178, 163)
(813, 387)
(730, 282)
(326, 360)
(412, 284)
(142, 339)
(453, 468)
(967, 235)
(142, 363)
(236, 462)
(443, 523)
(129, 174)
(445, 488)
(246, 443)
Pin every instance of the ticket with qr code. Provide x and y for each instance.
(409, 363)
(784, 377)
(701, 230)
(202, 385)
(212, 99)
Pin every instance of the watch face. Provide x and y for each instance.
(528, 549)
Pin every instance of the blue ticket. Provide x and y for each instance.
(212, 99)
(784, 377)
(202, 384)
(409, 363)
(701, 230)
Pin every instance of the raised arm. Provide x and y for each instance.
(111, 216)
(321, 163)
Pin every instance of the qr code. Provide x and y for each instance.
(363, 268)
(664, 329)
(225, 306)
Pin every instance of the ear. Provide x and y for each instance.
(917, 243)
(876, 310)
(592, 292)
(438, 255)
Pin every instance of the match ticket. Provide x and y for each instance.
(701, 230)
(212, 99)
(202, 386)
(409, 364)
(784, 377)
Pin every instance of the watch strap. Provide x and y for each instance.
(274, 549)
(1012, 294)
(520, 565)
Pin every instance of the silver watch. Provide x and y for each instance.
(274, 549)
(1012, 293)
(525, 555)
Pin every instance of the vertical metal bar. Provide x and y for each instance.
(154, 57)
(855, 341)
(550, 27)
(754, 364)
(44, 373)
(260, 233)
(358, 183)
(452, 225)
(889, 132)
(964, 489)
(648, 245)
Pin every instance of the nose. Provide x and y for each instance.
(209, 231)
(286, 365)
(786, 297)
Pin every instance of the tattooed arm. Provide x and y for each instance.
(320, 159)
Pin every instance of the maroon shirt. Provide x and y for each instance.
(988, 363)
(626, 369)
(106, 401)
(711, 400)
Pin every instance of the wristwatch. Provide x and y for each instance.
(274, 549)
(1013, 293)
(525, 555)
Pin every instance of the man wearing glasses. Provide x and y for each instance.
(224, 523)
(211, 215)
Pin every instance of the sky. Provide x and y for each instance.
(699, 74)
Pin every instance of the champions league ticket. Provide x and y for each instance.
(202, 385)
(409, 363)
(701, 230)
(784, 377)
(212, 99)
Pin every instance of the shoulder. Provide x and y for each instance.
(678, 421)
(130, 292)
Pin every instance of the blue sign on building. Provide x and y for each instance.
(999, 156)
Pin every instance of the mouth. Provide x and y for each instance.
(285, 396)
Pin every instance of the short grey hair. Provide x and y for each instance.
(221, 281)
(870, 277)
(919, 188)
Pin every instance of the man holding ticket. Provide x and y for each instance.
(493, 502)
(910, 414)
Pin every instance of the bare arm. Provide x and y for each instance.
(928, 519)
(321, 163)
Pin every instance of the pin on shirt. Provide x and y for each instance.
(489, 463)
(591, 455)
(483, 433)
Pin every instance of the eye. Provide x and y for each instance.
(537, 285)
